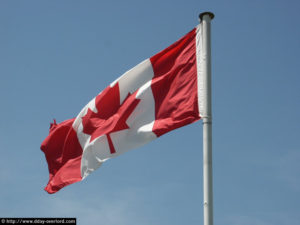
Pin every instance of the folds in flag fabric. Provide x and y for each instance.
(158, 95)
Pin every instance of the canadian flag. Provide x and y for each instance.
(158, 95)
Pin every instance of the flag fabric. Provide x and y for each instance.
(158, 95)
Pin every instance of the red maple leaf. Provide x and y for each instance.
(111, 116)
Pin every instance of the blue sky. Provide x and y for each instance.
(57, 55)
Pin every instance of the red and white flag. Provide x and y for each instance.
(158, 95)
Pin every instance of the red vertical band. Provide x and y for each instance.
(174, 85)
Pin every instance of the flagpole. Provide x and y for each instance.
(205, 19)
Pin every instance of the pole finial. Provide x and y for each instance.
(210, 14)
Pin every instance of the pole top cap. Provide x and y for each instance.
(210, 14)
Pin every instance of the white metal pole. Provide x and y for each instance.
(205, 19)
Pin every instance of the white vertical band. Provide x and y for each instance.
(199, 69)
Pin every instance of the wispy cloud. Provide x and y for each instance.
(281, 167)
(88, 211)
(289, 169)
(274, 218)
(244, 220)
